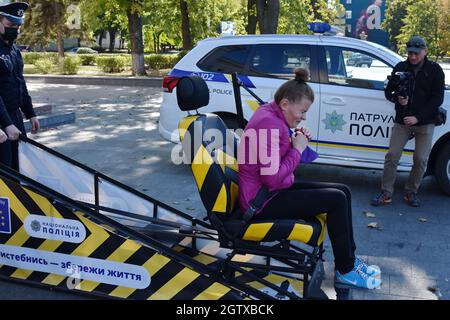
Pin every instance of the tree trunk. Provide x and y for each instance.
(60, 44)
(185, 27)
(158, 41)
(112, 38)
(251, 16)
(268, 12)
(100, 40)
(136, 42)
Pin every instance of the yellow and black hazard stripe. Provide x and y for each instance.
(216, 190)
(310, 231)
(169, 278)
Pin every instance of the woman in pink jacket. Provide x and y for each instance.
(270, 152)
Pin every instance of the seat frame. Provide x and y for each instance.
(306, 263)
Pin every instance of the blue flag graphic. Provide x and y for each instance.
(5, 216)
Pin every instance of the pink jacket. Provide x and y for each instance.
(266, 156)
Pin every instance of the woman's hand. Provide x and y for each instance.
(299, 141)
(305, 131)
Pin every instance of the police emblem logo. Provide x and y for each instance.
(20, 13)
(334, 121)
(35, 226)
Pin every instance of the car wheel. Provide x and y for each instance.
(442, 169)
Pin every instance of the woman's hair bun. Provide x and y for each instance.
(301, 74)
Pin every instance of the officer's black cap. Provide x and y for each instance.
(14, 12)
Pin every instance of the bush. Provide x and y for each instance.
(87, 59)
(71, 65)
(112, 64)
(128, 59)
(44, 65)
(161, 61)
(32, 57)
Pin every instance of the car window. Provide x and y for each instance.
(279, 59)
(226, 59)
(356, 69)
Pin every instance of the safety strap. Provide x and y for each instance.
(256, 204)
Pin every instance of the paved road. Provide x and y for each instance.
(116, 133)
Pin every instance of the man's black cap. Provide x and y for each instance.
(416, 44)
(14, 11)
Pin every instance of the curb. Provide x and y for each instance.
(98, 81)
(52, 120)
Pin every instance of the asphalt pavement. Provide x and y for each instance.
(116, 133)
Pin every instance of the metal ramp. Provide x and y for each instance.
(66, 226)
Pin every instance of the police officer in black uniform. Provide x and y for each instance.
(14, 96)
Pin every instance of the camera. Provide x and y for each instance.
(400, 81)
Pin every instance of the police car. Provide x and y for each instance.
(350, 119)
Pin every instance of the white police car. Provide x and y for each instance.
(350, 119)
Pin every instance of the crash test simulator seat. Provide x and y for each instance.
(212, 152)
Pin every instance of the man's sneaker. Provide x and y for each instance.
(356, 278)
(383, 198)
(372, 270)
(412, 199)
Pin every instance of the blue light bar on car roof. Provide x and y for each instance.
(319, 27)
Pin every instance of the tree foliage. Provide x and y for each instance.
(46, 21)
(297, 14)
(163, 24)
(395, 13)
(102, 16)
(430, 20)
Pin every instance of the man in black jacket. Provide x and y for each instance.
(14, 96)
(417, 98)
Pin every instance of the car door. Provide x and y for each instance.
(355, 118)
(273, 64)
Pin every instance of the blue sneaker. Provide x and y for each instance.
(356, 278)
(371, 271)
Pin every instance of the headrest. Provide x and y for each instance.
(192, 93)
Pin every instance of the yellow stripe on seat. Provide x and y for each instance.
(221, 201)
(322, 219)
(184, 124)
(301, 232)
(225, 159)
(257, 231)
(200, 166)
(234, 194)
